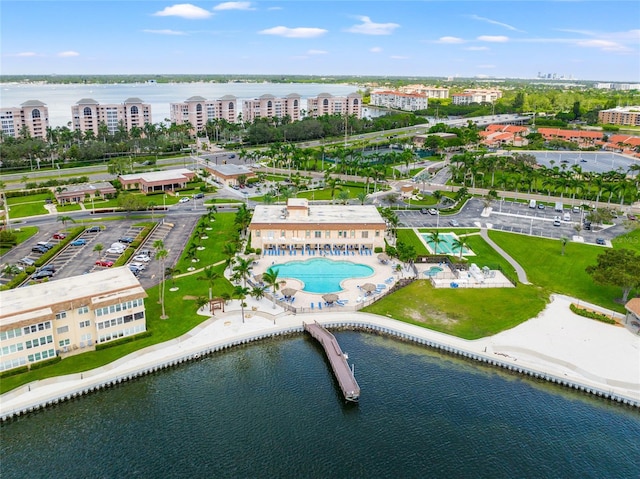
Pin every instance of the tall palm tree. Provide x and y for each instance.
(243, 269)
(434, 237)
(270, 278)
(98, 248)
(241, 293)
(460, 243)
(64, 219)
(210, 275)
(161, 256)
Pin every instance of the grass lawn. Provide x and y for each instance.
(23, 210)
(546, 267)
(22, 234)
(38, 198)
(466, 313)
(68, 207)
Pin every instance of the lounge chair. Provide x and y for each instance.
(319, 305)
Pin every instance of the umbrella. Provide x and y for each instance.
(368, 287)
(288, 292)
(330, 298)
(383, 257)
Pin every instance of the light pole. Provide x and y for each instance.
(437, 219)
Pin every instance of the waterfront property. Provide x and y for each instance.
(327, 104)
(446, 245)
(165, 180)
(314, 229)
(45, 320)
(88, 115)
(32, 117)
(197, 111)
(321, 275)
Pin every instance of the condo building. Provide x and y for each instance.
(428, 91)
(327, 104)
(475, 96)
(45, 320)
(197, 111)
(316, 228)
(268, 106)
(628, 116)
(33, 115)
(88, 114)
(399, 100)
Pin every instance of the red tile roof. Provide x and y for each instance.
(633, 305)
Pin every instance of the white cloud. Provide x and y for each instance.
(367, 27)
(604, 45)
(164, 32)
(477, 49)
(399, 57)
(26, 54)
(375, 49)
(493, 38)
(317, 52)
(494, 22)
(298, 32)
(234, 6)
(184, 10)
(452, 40)
(68, 53)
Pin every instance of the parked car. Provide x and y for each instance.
(540, 206)
(134, 270)
(115, 250)
(142, 258)
(27, 261)
(184, 199)
(424, 211)
(94, 229)
(59, 236)
(454, 223)
(45, 244)
(587, 225)
(632, 217)
(601, 241)
(42, 274)
(433, 211)
(47, 267)
(576, 209)
(106, 264)
(140, 266)
(197, 196)
(556, 221)
(126, 239)
(39, 249)
(79, 242)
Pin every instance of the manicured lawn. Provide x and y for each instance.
(408, 237)
(466, 313)
(23, 210)
(220, 233)
(68, 207)
(40, 197)
(546, 267)
(22, 233)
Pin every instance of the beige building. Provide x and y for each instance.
(316, 228)
(165, 180)
(473, 95)
(88, 115)
(428, 91)
(628, 116)
(327, 104)
(197, 111)
(268, 106)
(80, 192)
(229, 174)
(32, 115)
(45, 320)
(399, 100)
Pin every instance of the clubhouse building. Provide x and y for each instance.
(164, 180)
(298, 226)
(45, 320)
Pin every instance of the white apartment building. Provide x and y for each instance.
(428, 91)
(88, 114)
(197, 111)
(476, 96)
(327, 104)
(44, 320)
(399, 100)
(268, 106)
(32, 114)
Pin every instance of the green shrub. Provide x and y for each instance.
(592, 314)
(13, 372)
(44, 364)
(126, 340)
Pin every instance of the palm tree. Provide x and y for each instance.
(243, 269)
(64, 220)
(241, 292)
(210, 275)
(270, 278)
(98, 248)
(460, 243)
(201, 301)
(564, 240)
(170, 272)
(161, 256)
(434, 237)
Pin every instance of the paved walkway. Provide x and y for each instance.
(522, 276)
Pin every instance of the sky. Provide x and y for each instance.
(571, 39)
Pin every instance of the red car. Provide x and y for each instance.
(106, 264)
(59, 236)
(632, 217)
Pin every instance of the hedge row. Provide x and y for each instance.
(121, 341)
(48, 362)
(13, 372)
(592, 314)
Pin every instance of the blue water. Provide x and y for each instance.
(321, 275)
(272, 410)
(446, 244)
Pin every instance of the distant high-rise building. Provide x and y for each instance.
(399, 100)
(88, 115)
(327, 104)
(31, 118)
(268, 106)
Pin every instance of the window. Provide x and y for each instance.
(365, 234)
(327, 234)
(318, 234)
(61, 315)
(352, 234)
(62, 330)
(64, 342)
(85, 324)
(83, 310)
(377, 233)
(307, 234)
(12, 333)
(257, 233)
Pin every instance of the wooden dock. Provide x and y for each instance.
(337, 359)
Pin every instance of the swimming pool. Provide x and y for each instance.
(320, 275)
(446, 245)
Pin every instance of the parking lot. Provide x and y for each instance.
(513, 217)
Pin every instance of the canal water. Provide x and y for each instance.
(271, 409)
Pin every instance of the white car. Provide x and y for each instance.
(115, 250)
(142, 257)
(184, 199)
(139, 266)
